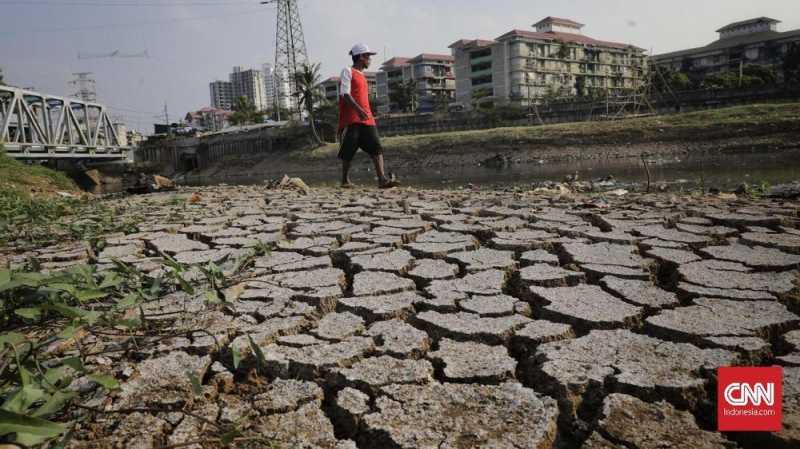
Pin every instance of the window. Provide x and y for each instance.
(486, 79)
(480, 53)
(482, 66)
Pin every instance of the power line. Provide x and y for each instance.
(132, 111)
(133, 24)
(125, 3)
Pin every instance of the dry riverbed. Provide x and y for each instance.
(432, 319)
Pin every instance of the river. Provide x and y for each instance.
(723, 171)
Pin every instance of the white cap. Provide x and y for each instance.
(360, 49)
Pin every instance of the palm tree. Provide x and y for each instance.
(308, 79)
(245, 112)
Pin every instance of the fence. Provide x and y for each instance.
(191, 153)
(583, 110)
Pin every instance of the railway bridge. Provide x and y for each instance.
(46, 127)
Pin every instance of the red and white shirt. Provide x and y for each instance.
(354, 82)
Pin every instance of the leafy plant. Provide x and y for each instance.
(791, 65)
(40, 312)
(245, 112)
(307, 80)
(404, 95)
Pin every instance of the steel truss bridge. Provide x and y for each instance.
(39, 126)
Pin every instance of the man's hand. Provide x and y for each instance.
(362, 114)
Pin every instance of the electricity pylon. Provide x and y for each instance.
(290, 48)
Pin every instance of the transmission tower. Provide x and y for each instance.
(290, 47)
(85, 87)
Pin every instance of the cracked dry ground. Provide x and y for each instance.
(427, 319)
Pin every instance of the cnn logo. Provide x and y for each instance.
(749, 399)
(743, 394)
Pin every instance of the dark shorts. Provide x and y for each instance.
(357, 136)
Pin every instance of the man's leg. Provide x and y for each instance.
(346, 173)
(377, 160)
(347, 149)
(371, 143)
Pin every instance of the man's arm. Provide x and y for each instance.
(352, 102)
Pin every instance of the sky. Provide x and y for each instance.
(193, 42)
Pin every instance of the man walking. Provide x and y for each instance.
(357, 128)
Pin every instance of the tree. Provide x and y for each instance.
(791, 65)
(245, 112)
(2, 82)
(404, 95)
(327, 114)
(666, 79)
(751, 76)
(441, 101)
(760, 74)
(308, 79)
(479, 95)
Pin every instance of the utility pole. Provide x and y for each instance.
(290, 47)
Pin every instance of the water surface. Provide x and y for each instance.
(723, 171)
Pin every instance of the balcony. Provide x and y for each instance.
(481, 73)
(478, 60)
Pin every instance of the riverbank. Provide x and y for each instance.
(753, 128)
(403, 318)
(32, 180)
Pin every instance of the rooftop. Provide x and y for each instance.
(565, 37)
(731, 42)
(431, 57)
(558, 21)
(396, 61)
(756, 21)
(466, 43)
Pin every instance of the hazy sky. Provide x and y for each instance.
(192, 42)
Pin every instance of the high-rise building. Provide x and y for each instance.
(522, 66)
(249, 84)
(270, 86)
(221, 95)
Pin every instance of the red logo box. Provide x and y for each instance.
(749, 399)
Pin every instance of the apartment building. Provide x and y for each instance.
(753, 41)
(221, 94)
(432, 73)
(521, 66)
(329, 88)
(209, 119)
(249, 84)
(278, 88)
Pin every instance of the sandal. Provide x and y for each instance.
(389, 184)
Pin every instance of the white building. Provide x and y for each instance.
(249, 84)
(270, 85)
(221, 94)
(522, 66)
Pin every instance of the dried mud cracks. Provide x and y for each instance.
(422, 319)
